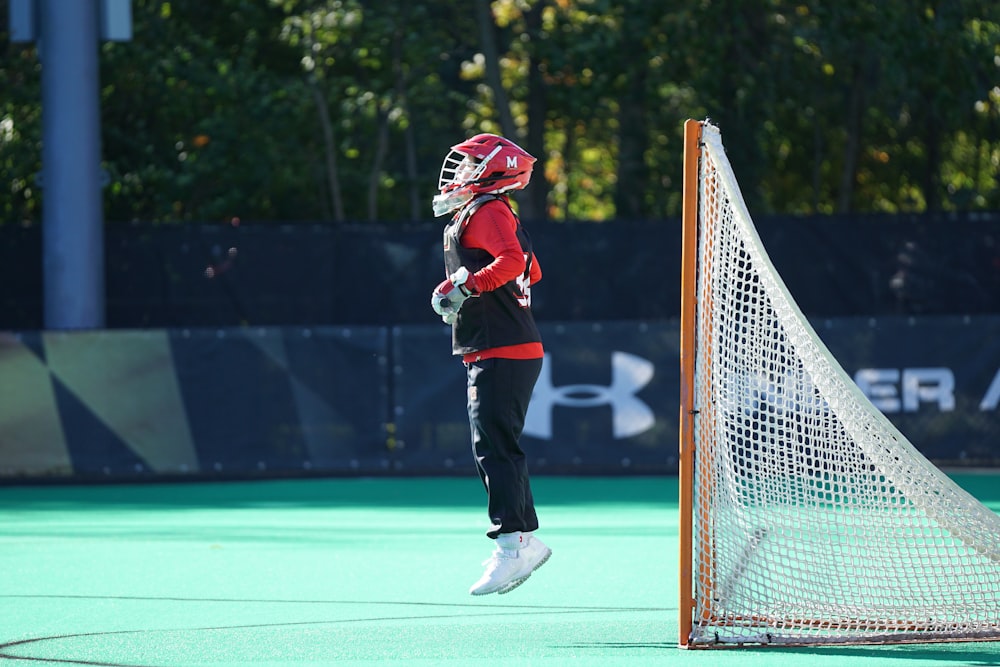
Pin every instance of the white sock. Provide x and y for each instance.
(513, 541)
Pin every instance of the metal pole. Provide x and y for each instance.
(72, 207)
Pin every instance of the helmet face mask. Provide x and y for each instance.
(486, 163)
(466, 170)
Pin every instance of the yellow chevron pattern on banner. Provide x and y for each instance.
(128, 381)
(31, 435)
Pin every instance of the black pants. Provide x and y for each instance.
(499, 392)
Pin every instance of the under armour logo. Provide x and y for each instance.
(630, 414)
(512, 162)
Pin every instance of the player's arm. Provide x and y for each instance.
(492, 229)
(536, 270)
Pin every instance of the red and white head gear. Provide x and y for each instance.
(486, 163)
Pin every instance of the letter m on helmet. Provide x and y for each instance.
(512, 162)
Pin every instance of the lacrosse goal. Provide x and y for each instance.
(806, 516)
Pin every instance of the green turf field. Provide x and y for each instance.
(366, 571)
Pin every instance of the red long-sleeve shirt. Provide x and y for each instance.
(492, 228)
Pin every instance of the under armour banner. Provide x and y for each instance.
(370, 401)
(607, 398)
(605, 401)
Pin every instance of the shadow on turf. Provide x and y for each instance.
(482, 605)
(462, 612)
(966, 653)
(961, 653)
(969, 653)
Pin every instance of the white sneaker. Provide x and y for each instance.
(510, 566)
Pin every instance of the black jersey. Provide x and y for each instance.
(498, 318)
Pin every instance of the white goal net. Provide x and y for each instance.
(812, 519)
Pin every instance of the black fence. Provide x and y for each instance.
(265, 274)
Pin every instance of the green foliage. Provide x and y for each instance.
(342, 110)
(20, 133)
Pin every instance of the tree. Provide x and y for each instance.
(341, 110)
(20, 131)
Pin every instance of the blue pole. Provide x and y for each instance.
(72, 206)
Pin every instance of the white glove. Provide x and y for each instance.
(449, 295)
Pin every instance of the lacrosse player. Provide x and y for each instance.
(487, 301)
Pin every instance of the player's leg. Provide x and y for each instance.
(499, 393)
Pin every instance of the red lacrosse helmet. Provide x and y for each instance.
(486, 163)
